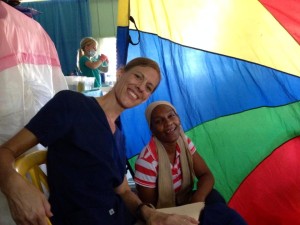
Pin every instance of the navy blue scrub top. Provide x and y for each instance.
(85, 160)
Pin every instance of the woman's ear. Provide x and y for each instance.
(120, 73)
(151, 129)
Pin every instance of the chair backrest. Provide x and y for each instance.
(29, 166)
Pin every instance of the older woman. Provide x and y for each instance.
(166, 169)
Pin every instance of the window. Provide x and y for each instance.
(107, 46)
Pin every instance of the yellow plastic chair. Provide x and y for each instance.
(28, 165)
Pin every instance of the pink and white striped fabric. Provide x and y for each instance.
(30, 74)
(146, 166)
(30, 71)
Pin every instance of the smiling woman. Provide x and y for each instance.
(70, 129)
(168, 166)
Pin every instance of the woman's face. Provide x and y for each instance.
(165, 124)
(90, 50)
(135, 86)
(92, 46)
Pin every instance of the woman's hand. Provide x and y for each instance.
(27, 204)
(103, 58)
(159, 218)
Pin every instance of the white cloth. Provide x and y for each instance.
(30, 75)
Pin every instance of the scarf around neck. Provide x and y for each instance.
(166, 193)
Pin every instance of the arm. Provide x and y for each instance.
(131, 200)
(25, 201)
(205, 179)
(96, 64)
(150, 215)
(148, 195)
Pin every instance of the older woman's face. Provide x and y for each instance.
(165, 124)
(136, 85)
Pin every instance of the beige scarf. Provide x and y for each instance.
(166, 194)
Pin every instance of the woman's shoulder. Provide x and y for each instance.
(78, 102)
(191, 145)
(67, 94)
(149, 152)
(72, 97)
(84, 58)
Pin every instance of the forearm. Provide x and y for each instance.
(204, 187)
(7, 160)
(9, 151)
(131, 200)
(150, 215)
(96, 64)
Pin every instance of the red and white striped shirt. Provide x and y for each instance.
(146, 166)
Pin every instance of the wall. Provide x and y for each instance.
(104, 18)
(104, 30)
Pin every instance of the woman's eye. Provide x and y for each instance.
(157, 121)
(138, 76)
(172, 115)
(149, 89)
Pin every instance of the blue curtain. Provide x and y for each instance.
(66, 22)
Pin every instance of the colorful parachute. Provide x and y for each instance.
(232, 70)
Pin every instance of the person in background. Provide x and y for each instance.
(166, 169)
(90, 63)
(86, 159)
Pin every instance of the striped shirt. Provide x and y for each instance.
(146, 166)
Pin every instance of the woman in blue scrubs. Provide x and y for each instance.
(86, 158)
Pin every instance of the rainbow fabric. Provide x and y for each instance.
(231, 68)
